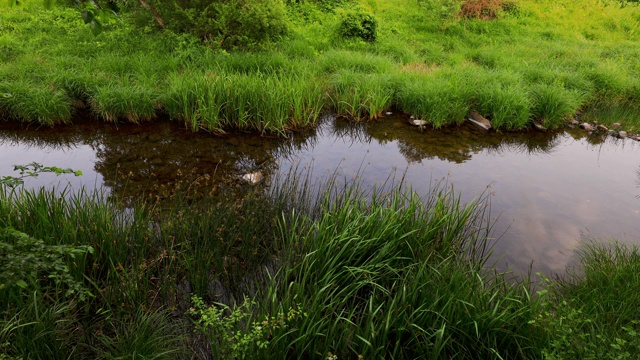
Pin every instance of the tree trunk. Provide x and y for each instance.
(153, 12)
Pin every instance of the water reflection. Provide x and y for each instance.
(550, 189)
(149, 159)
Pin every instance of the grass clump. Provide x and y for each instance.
(592, 312)
(395, 277)
(441, 98)
(360, 96)
(215, 102)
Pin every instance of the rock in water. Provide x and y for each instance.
(538, 125)
(479, 121)
(418, 122)
(253, 178)
(587, 126)
(573, 121)
(622, 134)
(602, 128)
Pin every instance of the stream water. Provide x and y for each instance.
(549, 191)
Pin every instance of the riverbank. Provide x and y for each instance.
(535, 61)
(337, 273)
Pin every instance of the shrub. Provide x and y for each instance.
(358, 23)
(227, 24)
(442, 9)
(481, 9)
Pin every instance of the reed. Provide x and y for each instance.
(397, 277)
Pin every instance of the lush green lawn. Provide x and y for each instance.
(537, 60)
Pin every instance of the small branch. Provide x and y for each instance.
(153, 12)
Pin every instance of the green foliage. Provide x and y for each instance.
(574, 335)
(96, 17)
(358, 23)
(442, 9)
(142, 335)
(235, 333)
(39, 329)
(33, 170)
(592, 312)
(28, 261)
(392, 276)
(227, 24)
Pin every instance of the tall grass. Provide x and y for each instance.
(335, 271)
(441, 98)
(361, 96)
(257, 102)
(28, 102)
(592, 312)
(395, 277)
(51, 60)
(502, 97)
(552, 103)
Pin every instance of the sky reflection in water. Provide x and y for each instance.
(549, 190)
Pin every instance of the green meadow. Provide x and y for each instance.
(513, 61)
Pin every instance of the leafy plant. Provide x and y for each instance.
(358, 23)
(443, 9)
(25, 260)
(233, 332)
(33, 170)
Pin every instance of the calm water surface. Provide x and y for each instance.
(548, 191)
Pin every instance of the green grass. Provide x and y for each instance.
(538, 60)
(592, 312)
(331, 270)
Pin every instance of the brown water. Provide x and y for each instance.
(549, 190)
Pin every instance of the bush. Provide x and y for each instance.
(227, 24)
(442, 9)
(358, 23)
(481, 9)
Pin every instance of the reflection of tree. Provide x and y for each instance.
(459, 144)
(64, 137)
(154, 159)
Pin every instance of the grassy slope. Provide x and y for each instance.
(542, 60)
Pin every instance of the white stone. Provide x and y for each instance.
(253, 178)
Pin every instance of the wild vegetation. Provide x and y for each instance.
(333, 271)
(284, 269)
(274, 66)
